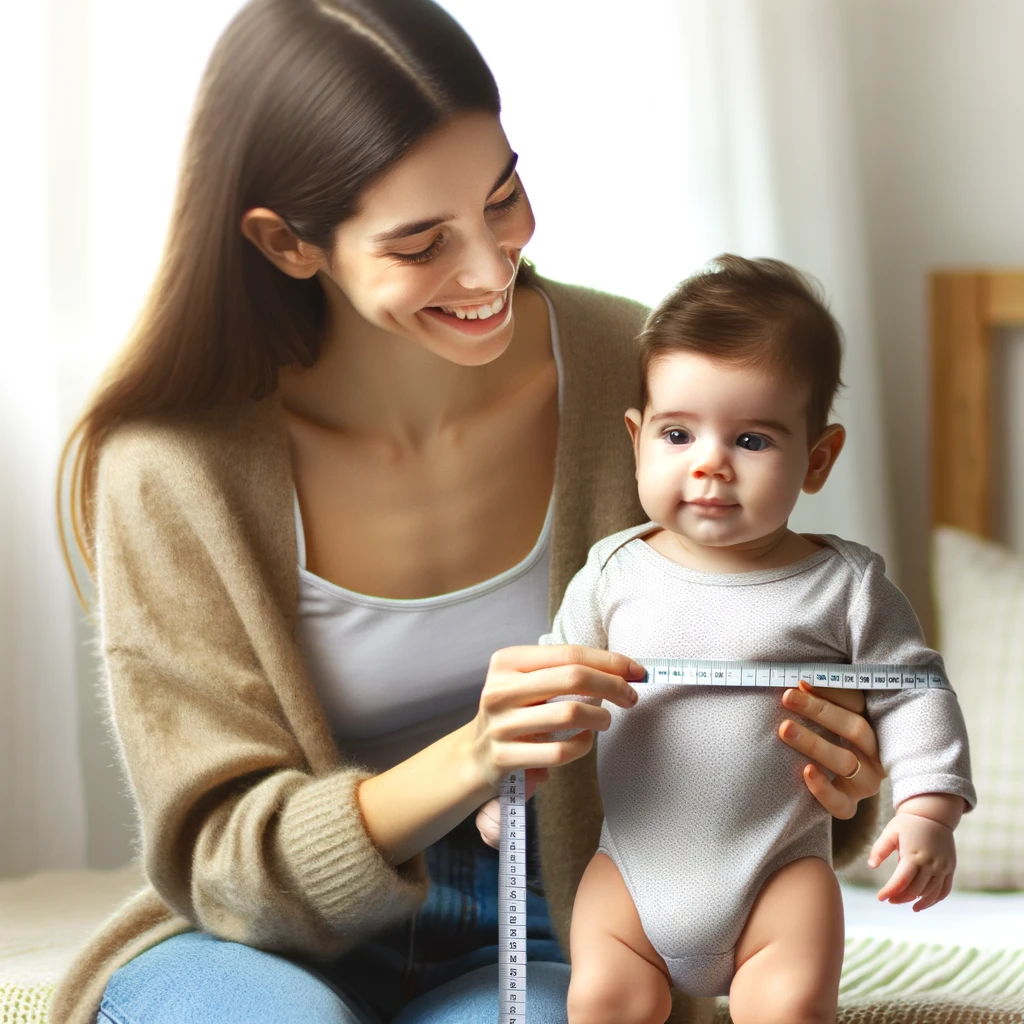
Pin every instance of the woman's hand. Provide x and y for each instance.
(839, 711)
(513, 724)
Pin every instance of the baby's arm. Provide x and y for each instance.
(923, 745)
(922, 832)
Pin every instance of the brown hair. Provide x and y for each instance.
(302, 105)
(759, 313)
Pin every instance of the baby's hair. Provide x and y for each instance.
(759, 313)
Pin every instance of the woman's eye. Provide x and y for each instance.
(677, 436)
(753, 442)
(424, 254)
(512, 199)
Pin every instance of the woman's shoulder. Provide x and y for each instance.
(590, 310)
(225, 447)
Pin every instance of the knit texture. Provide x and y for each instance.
(248, 824)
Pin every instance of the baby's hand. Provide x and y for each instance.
(927, 857)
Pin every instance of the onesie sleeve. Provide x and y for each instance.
(580, 618)
(922, 737)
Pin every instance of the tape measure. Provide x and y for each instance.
(512, 899)
(679, 672)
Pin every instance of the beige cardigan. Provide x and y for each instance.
(249, 828)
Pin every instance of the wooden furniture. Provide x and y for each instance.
(968, 307)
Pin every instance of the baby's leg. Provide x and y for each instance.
(617, 975)
(790, 953)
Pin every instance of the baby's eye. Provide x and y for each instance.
(677, 436)
(753, 442)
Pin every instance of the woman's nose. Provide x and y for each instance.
(487, 264)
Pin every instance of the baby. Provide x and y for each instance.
(703, 879)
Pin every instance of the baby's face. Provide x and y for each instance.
(722, 450)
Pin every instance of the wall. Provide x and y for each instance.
(939, 96)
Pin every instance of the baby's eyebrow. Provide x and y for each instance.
(678, 414)
(771, 425)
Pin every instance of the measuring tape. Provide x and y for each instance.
(679, 672)
(512, 899)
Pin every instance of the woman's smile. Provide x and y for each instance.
(475, 320)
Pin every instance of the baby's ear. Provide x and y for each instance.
(823, 457)
(633, 420)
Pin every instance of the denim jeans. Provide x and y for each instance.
(440, 967)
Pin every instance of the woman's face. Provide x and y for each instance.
(432, 251)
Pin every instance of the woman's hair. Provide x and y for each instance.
(302, 105)
(760, 313)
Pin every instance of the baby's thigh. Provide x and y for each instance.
(195, 978)
(790, 953)
(617, 975)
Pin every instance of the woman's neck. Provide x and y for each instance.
(368, 381)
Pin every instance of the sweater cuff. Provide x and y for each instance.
(335, 863)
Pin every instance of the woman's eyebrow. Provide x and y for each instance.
(417, 226)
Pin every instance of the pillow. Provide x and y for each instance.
(978, 589)
(979, 606)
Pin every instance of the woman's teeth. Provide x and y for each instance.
(476, 312)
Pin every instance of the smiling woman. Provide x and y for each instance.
(332, 490)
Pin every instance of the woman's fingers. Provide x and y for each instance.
(823, 708)
(568, 670)
(488, 822)
(536, 656)
(520, 724)
(541, 719)
(835, 801)
(836, 759)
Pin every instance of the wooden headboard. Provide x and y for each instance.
(967, 307)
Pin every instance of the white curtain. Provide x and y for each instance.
(652, 137)
(41, 794)
(655, 135)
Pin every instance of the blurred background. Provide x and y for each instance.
(866, 141)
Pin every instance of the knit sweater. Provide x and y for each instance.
(248, 822)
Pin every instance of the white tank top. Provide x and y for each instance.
(395, 675)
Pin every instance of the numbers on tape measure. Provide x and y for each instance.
(512, 900)
(697, 672)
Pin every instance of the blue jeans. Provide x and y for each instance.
(440, 968)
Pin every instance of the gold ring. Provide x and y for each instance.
(853, 774)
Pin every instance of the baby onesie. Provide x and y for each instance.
(702, 801)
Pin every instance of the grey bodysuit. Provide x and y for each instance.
(702, 801)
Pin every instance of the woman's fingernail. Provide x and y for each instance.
(637, 671)
(790, 731)
(633, 695)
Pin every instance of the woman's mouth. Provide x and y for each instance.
(481, 318)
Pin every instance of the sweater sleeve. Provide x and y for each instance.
(238, 833)
(922, 737)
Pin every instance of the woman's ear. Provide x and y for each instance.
(823, 457)
(269, 233)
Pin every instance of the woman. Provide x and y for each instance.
(337, 369)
